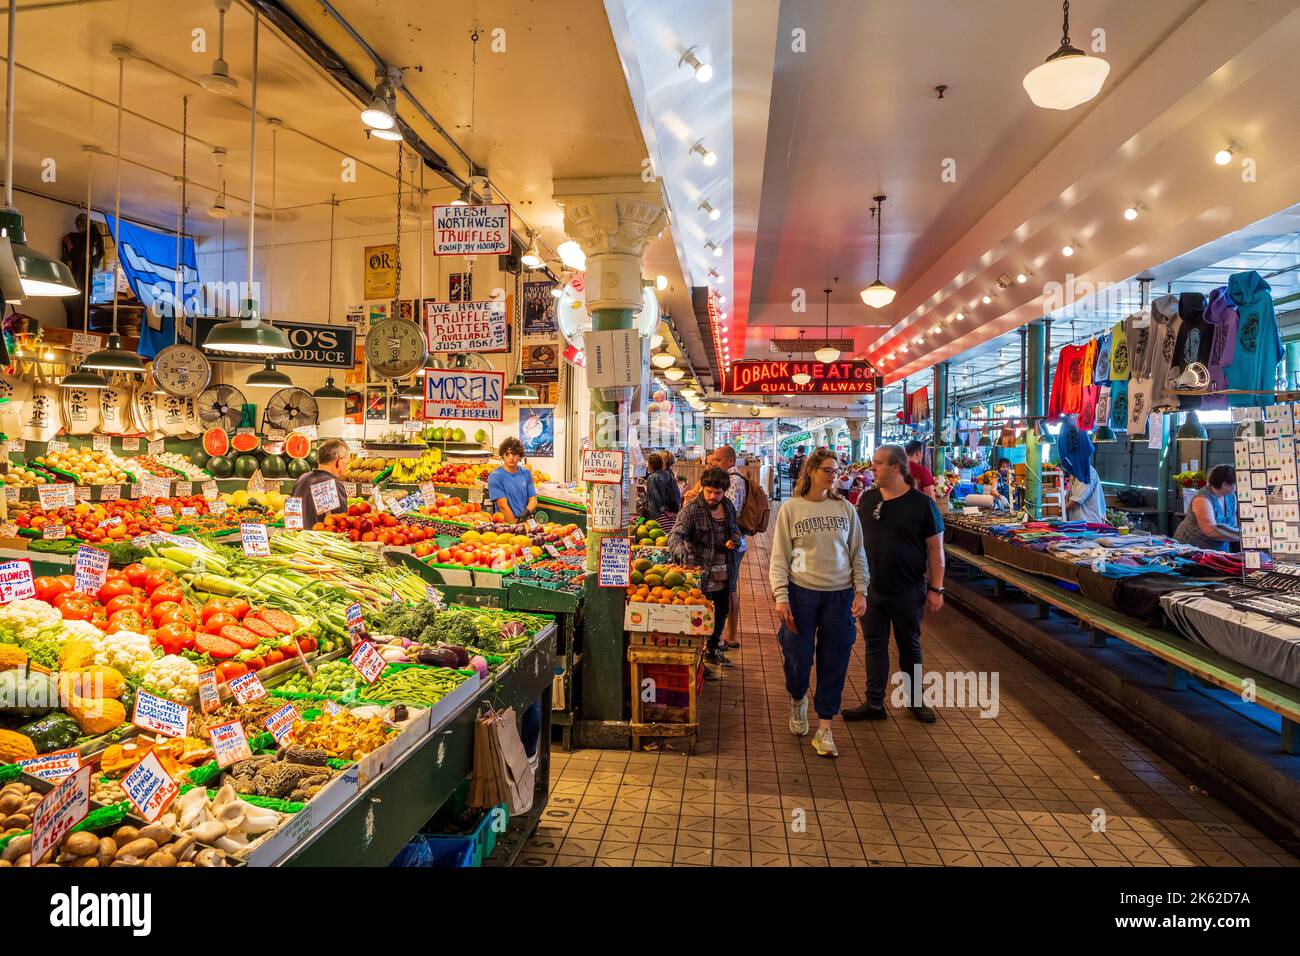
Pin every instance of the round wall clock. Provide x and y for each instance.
(182, 370)
(395, 348)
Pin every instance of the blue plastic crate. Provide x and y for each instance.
(428, 851)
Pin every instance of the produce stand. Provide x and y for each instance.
(567, 608)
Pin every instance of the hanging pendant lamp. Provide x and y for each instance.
(519, 390)
(269, 377)
(329, 390)
(801, 378)
(247, 335)
(79, 377)
(1069, 77)
(1192, 429)
(878, 295)
(827, 353)
(1104, 435)
(411, 392)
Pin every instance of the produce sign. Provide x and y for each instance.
(152, 485)
(774, 378)
(53, 766)
(229, 743)
(463, 395)
(62, 809)
(16, 581)
(367, 661)
(466, 326)
(253, 537)
(247, 688)
(325, 496)
(209, 696)
(150, 787)
(471, 230)
(160, 715)
(293, 514)
(56, 496)
(615, 562)
(319, 346)
(280, 724)
(90, 569)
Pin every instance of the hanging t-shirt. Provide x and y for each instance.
(1259, 345)
(1102, 415)
(1101, 369)
(1195, 339)
(1119, 368)
(1221, 313)
(1166, 323)
(1119, 404)
(1088, 398)
(1067, 386)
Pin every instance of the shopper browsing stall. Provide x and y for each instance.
(902, 533)
(818, 575)
(706, 536)
(1211, 521)
(510, 487)
(663, 497)
(332, 461)
(923, 477)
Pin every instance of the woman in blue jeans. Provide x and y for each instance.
(818, 575)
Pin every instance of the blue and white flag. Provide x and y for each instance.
(148, 259)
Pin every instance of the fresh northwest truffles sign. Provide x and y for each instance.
(774, 378)
(471, 230)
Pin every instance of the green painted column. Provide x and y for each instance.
(1293, 364)
(879, 411)
(939, 410)
(1035, 373)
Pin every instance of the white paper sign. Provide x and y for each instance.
(150, 787)
(209, 695)
(54, 767)
(325, 496)
(110, 492)
(253, 537)
(217, 508)
(155, 487)
(131, 443)
(102, 443)
(280, 724)
(56, 496)
(604, 466)
(17, 445)
(247, 687)
(428, 494)
(184, 489)
(62, 809)
(454, 327)
(613, 358)
(157, 447)
(464, 395)
(90, 570)
(293, 514)
(367, 661)
(1155, 431)
(16, 581)
(54, 532)
(83, 343)
(615, 557)
(471, 230)
(160, 715)
(605, 508)
(209, 489)
(56, 446)
(229, 743)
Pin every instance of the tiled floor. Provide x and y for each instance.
(1024, 788)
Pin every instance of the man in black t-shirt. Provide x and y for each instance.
(332, 461)
(902, 533)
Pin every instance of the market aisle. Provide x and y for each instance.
(1018, 789)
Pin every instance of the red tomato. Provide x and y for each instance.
(174, 638)
(167, 592)
(124, 601)
(112, 589)
(273, 657)
(238, 607)
(183, 614)
(214, 606)
(216, 622)
(307, 644)
(229, 669)
(136, 574)
(156, 579)
(255, 663)
(67, 580)
(48, 588)
(127, 620)
(78, 610)
(160, 610)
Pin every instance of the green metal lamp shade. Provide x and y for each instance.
(269, 377)
(113, 358)
(411, 392)
(1192, 429)
(1103, 435)
(40, 274)
(83, 379)
(985, 441)
(248, 335)
(329, 390)
(521, 391)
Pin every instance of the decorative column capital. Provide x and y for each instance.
(613, 219)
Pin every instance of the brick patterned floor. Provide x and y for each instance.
(1018, 789)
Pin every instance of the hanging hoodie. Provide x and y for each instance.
(1138, 332)
(1119, 375)
(1166, 322)
(1221, 312)
(1259, 344)
(1195, 339)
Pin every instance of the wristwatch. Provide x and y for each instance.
(936, 590)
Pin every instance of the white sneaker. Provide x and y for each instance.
(799, 717)
(824, 743)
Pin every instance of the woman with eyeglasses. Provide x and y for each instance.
(818, 575)
(903, 534)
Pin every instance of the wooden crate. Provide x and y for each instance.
(691, 658)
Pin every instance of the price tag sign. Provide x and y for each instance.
(411, 426)
(533, 525)
(135, 491)
(55, 766)
(16, 581)
(90, 569)
(149, 787)
(110, 522)
(273, 447)
(54, 532)
(163, 511)
(253, 537)
(615, 562)
(102, 443)
(81, 493)
(551, 549)
(62, 809)
(209, 489)
(433, 594)
(144, 540)
(428, 494)
(83, 343)
(350, 489)
(184, 489)
(217, 508)
(308, 430)
(13, 493)
(189, 512)
(365, 490)
(17, 445)
(131, 444)
(8, 530)
(332, 708)
(325, 496)
(110, 493)
(367, 661)
(475, 496)
(293, 514)
(56, 496)
(356, 623)
(579, 535)
(229, 743)
(970, 511)
(247, 688)
(155, 487)
(1252, 560)
(280, 724)
(160, 715)
(377, 499)
(157, 447)
(209, 696)
(56, 446)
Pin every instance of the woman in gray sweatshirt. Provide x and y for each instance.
(818, 575)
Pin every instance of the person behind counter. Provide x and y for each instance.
(1211, 521)
(332, 461)
(510, 487)
(1000, 489)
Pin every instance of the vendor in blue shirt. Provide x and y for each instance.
(510, 487)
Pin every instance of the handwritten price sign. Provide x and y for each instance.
(161, 715)
(150, 787)
(367, 661)
(247, 688)
(229, 743)
(62, 809)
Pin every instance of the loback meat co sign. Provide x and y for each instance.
(774, 378)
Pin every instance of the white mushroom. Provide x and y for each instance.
(210, 831)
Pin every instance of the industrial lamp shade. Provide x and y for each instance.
(411, 392)
(827, 354)
(877, 295)
(801, 378)
(520, 391)
(248, 335)
(1069, 78)
(39, 274)
(269, 377)
(113, 358)
(1192, 429)
(83, 379)
(329, 390)
(674, 374)
(1104, 435)
(985, 441)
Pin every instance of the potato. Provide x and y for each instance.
(156, 832)
(85, 861)
(24, 860)
(107, 851)
(161, 858)
(17, 847)
(125, 834)
(81, 843)
(19, 821)
(9, 803)
(140, 847)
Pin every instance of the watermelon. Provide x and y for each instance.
(220, 467)
(273, 466)
(199, 457)
(297, 446)
(313, 459)
(298, 468)
(244, 466)
(245, 443)
(216, 441)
